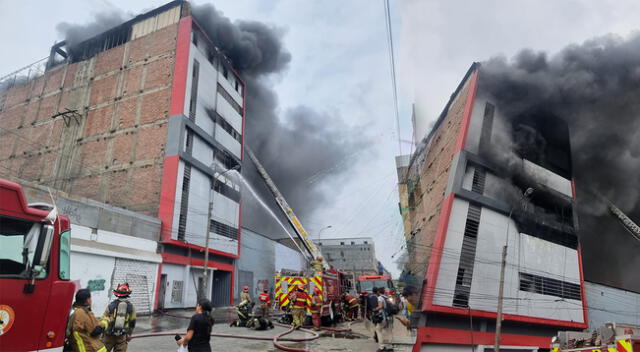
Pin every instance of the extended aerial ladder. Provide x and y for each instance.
(626, 222)
(312, 251)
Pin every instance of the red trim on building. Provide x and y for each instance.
(158, 282)
(573, 188)
(181, 67)
(182, 260)
(506, 317)
(168, 195)
(239, 226)
(200, 248)
(468, 109)
(584, 297)
(436, 251)
(466, 337)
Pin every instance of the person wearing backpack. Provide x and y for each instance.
(121, 317)
(380, 320)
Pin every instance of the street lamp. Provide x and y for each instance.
(496, 346)
(205, 286)
(322, 229)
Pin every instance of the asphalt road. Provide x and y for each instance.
(358, 340)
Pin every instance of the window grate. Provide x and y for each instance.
(184, 203)
(479, 178)
(223, 229)
(176, 291)
(194, 90)
(467, 257)
(550, 287)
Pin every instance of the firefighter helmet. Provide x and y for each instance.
(122, 290)
(245, 288)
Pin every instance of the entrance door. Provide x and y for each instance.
(163, 289)
(220, 292)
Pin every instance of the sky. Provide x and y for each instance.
(340, 66)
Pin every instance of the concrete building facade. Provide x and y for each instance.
(146, 116)
(466, 200)
(109, 245)
(355, 256)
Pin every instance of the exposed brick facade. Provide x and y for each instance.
(426, 186)
(114, 151)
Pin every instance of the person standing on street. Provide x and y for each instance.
(83, 327)
(300, 301)
(120, 315)
(199, 330)
(265, 304)
(380, 319)
(245, 297)
(316, 307)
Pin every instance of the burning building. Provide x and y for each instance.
(147, 116)
(483, 180)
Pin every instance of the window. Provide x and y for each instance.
(176, 292)
(352, 242)
(64, 272)
(548, 286)
(365, 242)
(15, 235)
(342, 243)
(229, 99)
(223, 229)
(225, 71)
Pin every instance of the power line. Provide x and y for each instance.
(392, 66)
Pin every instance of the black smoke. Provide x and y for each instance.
(294, 146)
(74, 33)
(595, 88)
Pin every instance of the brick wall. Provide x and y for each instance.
(431, 184)
(113, 151)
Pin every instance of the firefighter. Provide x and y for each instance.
(352, 306)
(245, 297)
(83, 328)
(300, 301)
(120, 315)
(316, 307)
(265, 304)
(317, 265)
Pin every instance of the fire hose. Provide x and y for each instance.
(276, 339)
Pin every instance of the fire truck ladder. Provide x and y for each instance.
(626, 222)
(302, 234)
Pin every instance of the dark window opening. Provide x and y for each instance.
(223, 92)
(550, 287)
(223, 229)
(184, 203)
(194, 90)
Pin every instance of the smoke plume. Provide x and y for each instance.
(594, 87)
(76, 33)
(301, 143)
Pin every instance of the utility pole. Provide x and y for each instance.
(496, 345)
(205, 284)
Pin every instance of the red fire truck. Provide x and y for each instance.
(366, 283)
(35, 291)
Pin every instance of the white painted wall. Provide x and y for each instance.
(287, 258)
(229, 86)
(199, 190)
(526, 253)
(189, 277)
(104, 255)
(609, 304)
(548, 178)
(228, 141)
(225, 210)
(229, 113)
(202, 151)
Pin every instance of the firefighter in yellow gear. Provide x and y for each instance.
(300, 301)
(83, 328)
(245, 297)
(120, 315)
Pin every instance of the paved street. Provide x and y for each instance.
(358, 340)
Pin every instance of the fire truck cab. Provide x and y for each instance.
(611, 337)
(35, 291)
(366, 283)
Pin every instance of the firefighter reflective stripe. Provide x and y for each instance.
(555, 349)
(79, 342)
(623, 346)
(596, 350)
(102, 349)
(611, 349)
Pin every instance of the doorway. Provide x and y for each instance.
(161, 293)
(220, 292)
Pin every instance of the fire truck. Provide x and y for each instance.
(329, 281)
(612, 337)
(366, 283)
(35, 291)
